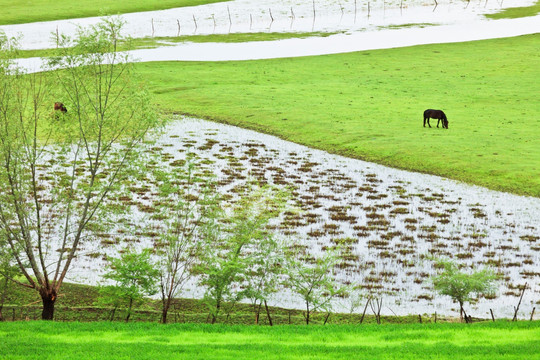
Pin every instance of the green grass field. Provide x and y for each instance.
(42, 340)
(369, 105)
(26, 11)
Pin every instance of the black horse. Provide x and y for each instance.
(435, 114)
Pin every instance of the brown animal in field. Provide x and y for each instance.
(58, 106)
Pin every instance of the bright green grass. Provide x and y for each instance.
(25, 11)
(154, 42)
(369, 105)
(29, 340)
(516, 12)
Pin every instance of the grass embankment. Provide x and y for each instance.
(77, 303)
(516, 12)
(48, 340)
(369, 105)
(154, 42)
(20, 12)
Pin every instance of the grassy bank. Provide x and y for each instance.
(78, 303)
(369, 105)
(516, 12)
(20, 12)
(154, 42)
(28, 340)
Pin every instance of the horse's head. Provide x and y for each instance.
(445, 123)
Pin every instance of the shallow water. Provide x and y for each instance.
(390, 218)
(386, 25)
(254, 15)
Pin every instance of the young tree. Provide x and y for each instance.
(134, 276)
(313, 279)
(226, 257)
(461, 286)
(263, 277)
(186, 208)
(58, 173)
(357, 299)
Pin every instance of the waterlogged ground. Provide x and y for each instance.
(386, 220)
(359, 25)
(276, 15)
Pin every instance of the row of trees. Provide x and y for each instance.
(236, 258)
(232, 254)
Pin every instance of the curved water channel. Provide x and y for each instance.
(385, 219)
(355, 27)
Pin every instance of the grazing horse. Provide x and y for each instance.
(435, 114)
(58, 106)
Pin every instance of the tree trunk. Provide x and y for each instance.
(519, 303)
(307, 313)
(364, 313)
(257, 310)
(326, 318)
(463, 314)
(218, 308)
(129, 309)
(3, 297)
(112, 313)
(48, 296)
(268, 313)
(165, 310)
(164, 314)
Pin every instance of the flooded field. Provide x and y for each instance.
(277, 16)
(387, 220)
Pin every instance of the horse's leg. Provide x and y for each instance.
(438, 121)
(424, 121)
(428, 122)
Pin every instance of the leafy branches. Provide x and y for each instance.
(58, 174)
(134, 276)
(230, 249)
(461, 286)
(187, 208)
(314, 281)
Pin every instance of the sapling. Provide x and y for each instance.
(461, 286)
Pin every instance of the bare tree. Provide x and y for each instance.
(186, 206)
(313, 279)
(262, 279)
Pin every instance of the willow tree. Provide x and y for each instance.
(59, 173)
